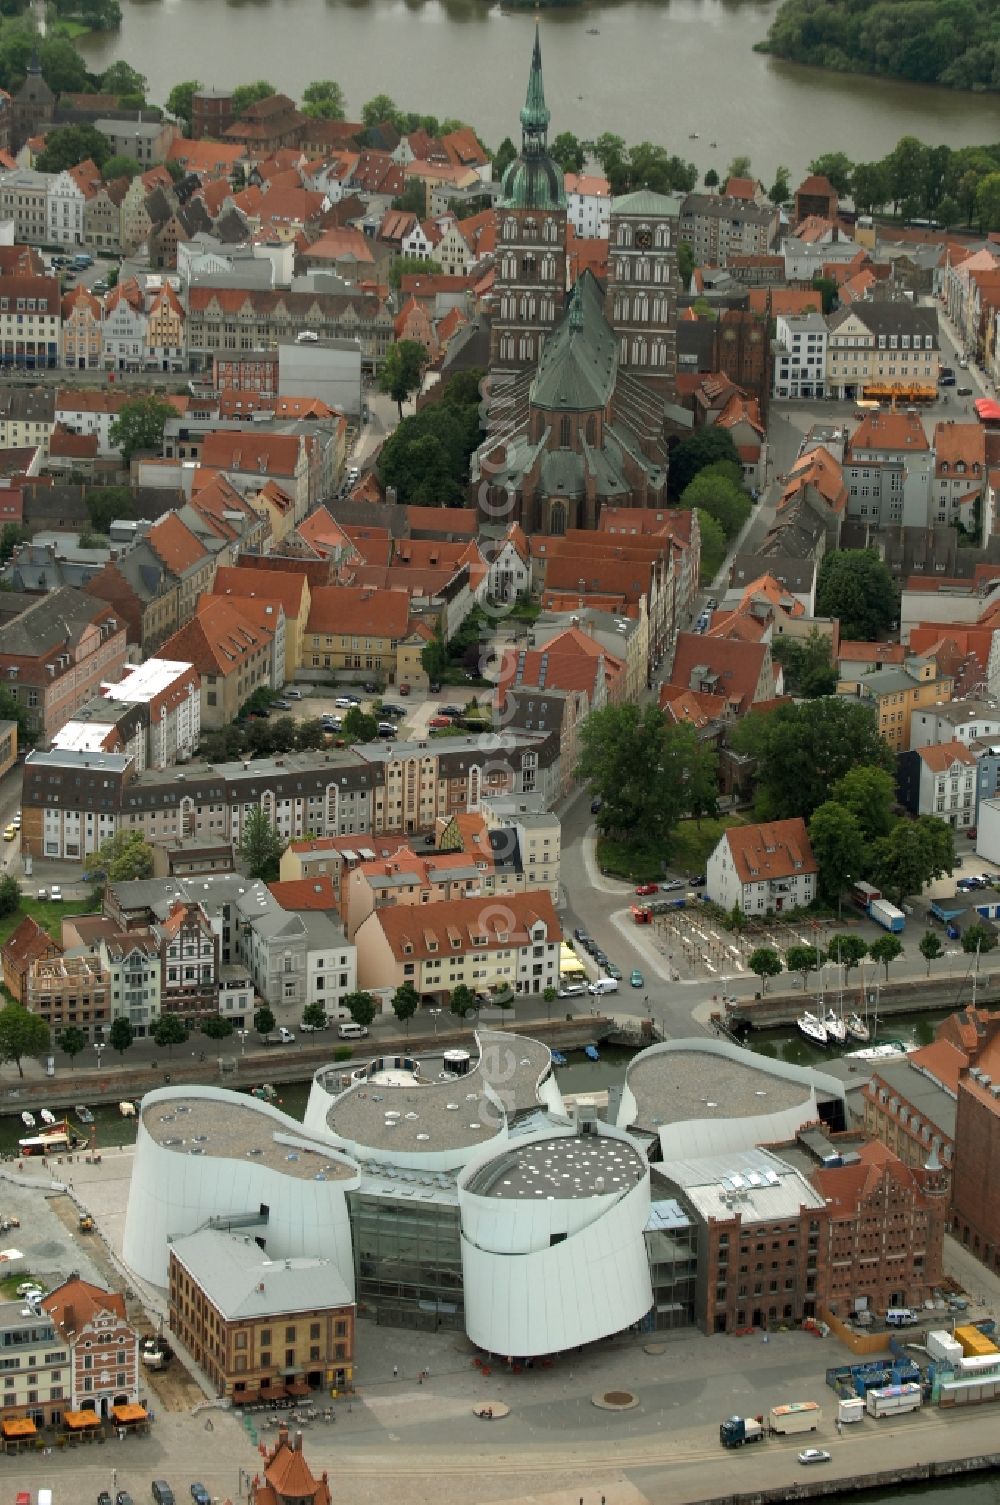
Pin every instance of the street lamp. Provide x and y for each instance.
(99, 1047)
(434, 1015)
(243, 1040)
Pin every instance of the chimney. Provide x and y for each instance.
(298, 1442)
(283, 1433)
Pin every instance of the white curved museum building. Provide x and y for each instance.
(459, 1190)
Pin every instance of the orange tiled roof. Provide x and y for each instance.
(217, 640)
(358, 611)
(286, 586)
(175, 545)
(889, 431)
(77, 1302)
(940, 757)
(416, 932)
(305, 893)
(249, 453)
(775, 849)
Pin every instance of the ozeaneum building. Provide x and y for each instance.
(454, 1191)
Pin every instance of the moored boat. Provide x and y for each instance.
(883, 1052)
(83, 1113)
(836, 1029)
(50, 1140)
(28, 1119)
(813, 1028)
(590, 1051)
(857, 1028)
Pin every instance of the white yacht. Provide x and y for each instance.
(813, 1028)
(836, 1029)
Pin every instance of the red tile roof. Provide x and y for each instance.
(287, 586)
(175, 545)
(218, 640)
(893, 432)
(776, 849)
(305, 893)
(942, 755)
(357, 611)
(722, 666)
(253, 454)
(416, 932)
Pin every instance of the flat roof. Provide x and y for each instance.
(563, 1168)
(430, 1113)
(931, 1101)
(754, 1183)
(678, 1086)
(147, 680)
(243, 1283)
(230, 1130)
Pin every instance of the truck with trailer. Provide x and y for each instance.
(737, 1431)
(893, 1400)
(797, 1416)
(887, 915)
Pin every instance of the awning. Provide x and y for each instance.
(19, 1426)
(129, 1413)
(291, 1369)
(299, 1387)
(79, 1421)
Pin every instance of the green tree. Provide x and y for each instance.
(703, 447)
(122, 78)
(309, 735)
(765, 962)
(685, 264)
(827, 290)
(567, 151)
(739, 167)
(106, 504)
(245, 95)
(809, 670)
(988, 203)
(713, 548)
(180, 101)
(261, 846)
(645, 770)
(462, 1001)
(359, 726)
(170, 1030)
(215, 1027)
(803, 960)
(69, 144)
(837, 167)
(126, 856)
(885, 950)
(856, 587)
(315, 1014)
(914, 853)
(610, 150)
(10, 895)
(802, 750)
(14, 710)
(139, 426)
(264, 1020)
(711, 180)
(904, 168)
(323, 100)
(434, 659)
(64, 70)
(949, 211)
(847, 951)
(120, 166)
(930, 948)
(379, 109)
(21, 1034)
(121, 1034)
(11, 535)
(869, 186)
(977, 940)
(405, 1002)
(360, 1006)
(869, 793)
(549, 996)
(838, 848)
(717, 495)
(72, 1041)
(780, 190)
(402, 370)
(406, 266)
(505, 154)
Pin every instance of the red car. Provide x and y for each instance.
(439, 721)
(647, 888)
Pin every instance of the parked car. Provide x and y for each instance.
(963, 391)
(647, 888)
(404, 688)
(387, 729)
(200, 1495)
(123, 1498)
(572, 989)
(613, 970)
(636, 978)
(450, 710)
(596, 806)
(438, 722)
(10, 833)
(344, 702)
(162, 1493)
(281, 705)
(395, 711)
(55, 894)
(600, 957)
(104, 1498)
(698, 880)
(293, 694)
(814, 1455)
(581, 936)
(311, 1029)
(963, 363)
(672, 885)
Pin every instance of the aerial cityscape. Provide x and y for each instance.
(499, 752)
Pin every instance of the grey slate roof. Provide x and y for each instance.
(578, 365)
(242, 1283)
(52, 620)
(644, 202)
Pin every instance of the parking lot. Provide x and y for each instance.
(418, 707)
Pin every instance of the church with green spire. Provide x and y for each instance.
(530, 285)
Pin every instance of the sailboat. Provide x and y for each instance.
(836, 1029)
(47, 1117)
(28, 1119)
(857, 1028)
(813, 1028)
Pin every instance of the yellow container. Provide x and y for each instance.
(974, 1342)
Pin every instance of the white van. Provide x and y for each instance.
(899, 1316)
(45, 1497)
(352, 1031)
(604, 985)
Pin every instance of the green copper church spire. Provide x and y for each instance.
(535, 116)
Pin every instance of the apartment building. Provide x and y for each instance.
(763, 869)
(939, 780)
(897, 693)
(37, 1379)
(511, 943)
(223, 321)
(170, 692)
(717, 227)
(959, 473)
(30, 323)
(70, 992)
(258, 1327)
(72, 799)
(24, 200)
(800, 355)
(103, 1346)
(888, 469)
(233, 657)
(54, 656)
(882, 344)
(354, 627)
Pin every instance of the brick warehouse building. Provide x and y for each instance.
(975, 1200)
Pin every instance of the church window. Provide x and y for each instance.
(641, 308)
(621, 269)
(623, 348)
(659, 353)
(510, 228)
(530, 229)
(621, 308)
(548, 268)
(529, 266)
(591, 430)
(565, 433)
(662, 237)
(642, 270)
(639, 353)
(525, 349)
(507, 347)
(557, 518)
(508, 269)
(551, 233)
(624, 235)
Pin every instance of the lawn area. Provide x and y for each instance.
(642, 864)
(49, 916)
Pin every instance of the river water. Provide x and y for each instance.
(658, 70)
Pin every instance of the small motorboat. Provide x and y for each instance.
(593, 31)
(884, 1052)
(693, 136)
(836, 1029)
(857, 1028)
(54, 1138)
(47, 1117)
(590, 1051)
(558, 1059)
(713, 143)
(126, 1109)
(28, 1119)
(83, 1113)
(813, 1028)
